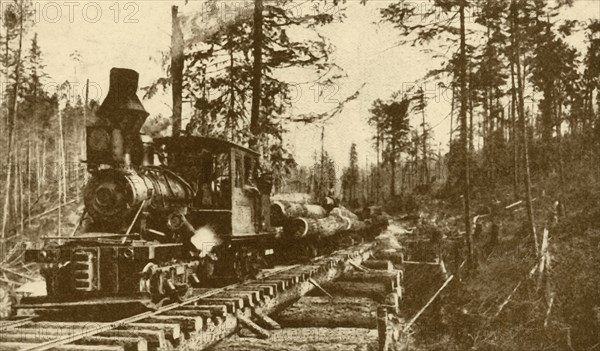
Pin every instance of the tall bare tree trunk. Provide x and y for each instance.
(377, 187)
(451, 118)
(43, 171)
(425, 165)
(561, 164)
(513, 122)
(393, 170)
(20, 179)
(523, 125)
(464, 136)
(59, 209)
(29, 183)
(13, 106)
(62, 157)
(177, 63)
(257, 45)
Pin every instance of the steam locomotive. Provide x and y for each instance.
(160, 216)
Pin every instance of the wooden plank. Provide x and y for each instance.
(155, 338)
(281, 284)
(187, 324)
(44, 331)
(253, 327)
(204, 314)
(293, 277)
(11, 323)
(375, 291)
(257, 293)
(128, 344)
(232, 304)
(382, 329)
(268, 290)
(248, 298)
(384, 265)
(372, 276)
(172, 331)
(217, 310)
(266, 321)
(12, 346)
(71, 326)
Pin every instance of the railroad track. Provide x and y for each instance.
(196, 323)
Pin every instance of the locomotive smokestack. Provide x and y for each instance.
(125, 112)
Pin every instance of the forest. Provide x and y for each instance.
(515, 189)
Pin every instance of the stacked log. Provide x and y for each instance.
(341, 211)
(301, 220)
(284, 211)
(316, 228)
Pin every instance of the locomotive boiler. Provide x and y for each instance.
(160, 216)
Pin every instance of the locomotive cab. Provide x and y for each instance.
(230, 195)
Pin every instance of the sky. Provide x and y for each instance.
(130, 34)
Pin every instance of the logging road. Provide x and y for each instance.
(198, 322)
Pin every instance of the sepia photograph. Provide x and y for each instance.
(300, 175)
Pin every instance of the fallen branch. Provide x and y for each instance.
(501, 307)
(549, 310)
(503, 304)
(359, 267)
(412, 321)
(313, 282)
(16, 273)
(52, 209)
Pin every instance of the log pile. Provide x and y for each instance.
(284, 211)
(316, 228)
(306, 221)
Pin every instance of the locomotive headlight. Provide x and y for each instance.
(98, 139)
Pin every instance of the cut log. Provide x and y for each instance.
(396, 256)
(375, 291)
(383, 277)
(382, 329)
(316, 228)
(172, 331)
(253, 327)
(188, 324)
(283, 211)
(10, 346)
(266, 321)
(383, 265)
(129, 344)
(341, 211)
(339, 312)
(155, 338)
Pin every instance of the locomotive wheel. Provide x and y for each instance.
(157, 286)
(247, 263)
